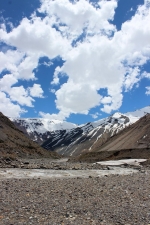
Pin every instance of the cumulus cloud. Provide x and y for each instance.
(36, 91)
(15, 97)
(9, 108)
(21, 96)
(10, 60)
(69, 94)
(72, 18)
(7, 81)
(96, 55)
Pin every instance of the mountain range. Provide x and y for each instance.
(69, 139)
(41, 129)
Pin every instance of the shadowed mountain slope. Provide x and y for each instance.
(14, 144)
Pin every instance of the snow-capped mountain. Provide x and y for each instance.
(69, 139)
(84, 137)
(40, 129)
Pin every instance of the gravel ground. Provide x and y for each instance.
(61, 164)
(108, 200)
(45, 163)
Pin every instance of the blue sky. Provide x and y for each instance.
(78, 61)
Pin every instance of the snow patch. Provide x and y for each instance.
(134, 162)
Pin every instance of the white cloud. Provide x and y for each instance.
(146, 75)
(95, 54)
(36, 91)
(52, 90)
(56, 76)
(26, 67)
(116, 99)
(76, 98)
(147, 91)
(80, 15)
(95, 115)
(10, 60)
(36, 37)
(48, 64)
(106, 100)
(21, 96)
(132, 78)
(59, 116)
(7, 81)
(17, 94)
(8, 108)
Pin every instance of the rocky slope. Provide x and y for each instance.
(14, 144)
(131, 142)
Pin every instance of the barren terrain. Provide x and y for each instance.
(111, 199)
(37, 189)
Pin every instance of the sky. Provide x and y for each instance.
(74, 60)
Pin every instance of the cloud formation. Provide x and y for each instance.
(96, 55)
(147, 90)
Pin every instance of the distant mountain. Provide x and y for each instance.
(83, 138)
(40, 129)
(14, 144)
(71, 140)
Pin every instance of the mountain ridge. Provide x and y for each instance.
(131, 142)
(78, 139)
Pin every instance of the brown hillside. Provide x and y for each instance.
(14, 144)
(132, 142)
(136, 136)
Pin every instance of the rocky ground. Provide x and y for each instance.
(46, 163)
(109, 200)
(60, 164)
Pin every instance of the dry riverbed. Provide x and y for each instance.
(101, 196)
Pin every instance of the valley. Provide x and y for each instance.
(70, 181)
